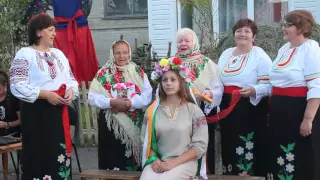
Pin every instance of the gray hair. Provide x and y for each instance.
(195, 40)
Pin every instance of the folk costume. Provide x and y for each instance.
(244, 120)
(207, 77)
(46, 138)
(73, 38)
(119, 133)
(295, 79)
(169, 136)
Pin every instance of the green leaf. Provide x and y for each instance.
(129, 168)
(241, 167)
(250, 136)
(243, 138)
(249, 166)
(63, 146)
(284, 148)
(289, 177)
(68, 172)
(62, 174)
(281, 177)
(291, 147)
(134, 168)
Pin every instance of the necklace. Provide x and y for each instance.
(174, 117)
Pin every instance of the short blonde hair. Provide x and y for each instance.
(184, 31)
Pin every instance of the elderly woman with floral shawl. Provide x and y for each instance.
(121, 90)
(207, 83)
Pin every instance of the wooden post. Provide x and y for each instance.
(121, 37)
(169, 50)
(136, 46)
(80, 114)
(149, 51)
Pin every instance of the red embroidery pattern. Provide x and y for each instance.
(200, 121)
(58, 62)
(39, 61)
(19, 70)
(51, 66)
(52, 70)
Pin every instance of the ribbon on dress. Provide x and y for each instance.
(65, 121)
(235, 97)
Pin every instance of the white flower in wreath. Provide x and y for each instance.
(36, 179)
(280, 161)
(61, 158)
(68, 162)
(290, 168)
(249, 156)
(249, 145)
(290, 157)
(46, 177)
(239, 150)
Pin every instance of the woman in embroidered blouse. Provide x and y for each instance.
(244, 72)
(174, 132)
(294, 149)
(40, 76)
(207, 82)
(120, 90)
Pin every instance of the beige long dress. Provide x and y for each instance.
(175, 136)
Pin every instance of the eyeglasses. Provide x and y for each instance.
(286, 24)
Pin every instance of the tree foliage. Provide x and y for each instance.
(12, 29)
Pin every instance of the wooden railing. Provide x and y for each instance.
(88, 118)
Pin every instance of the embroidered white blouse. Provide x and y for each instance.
(250, 69)
(32, 71)
(298, 66)
(137, 102)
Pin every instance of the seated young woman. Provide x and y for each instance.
(175, 131)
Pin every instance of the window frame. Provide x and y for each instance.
(125, 16)
(250, 12)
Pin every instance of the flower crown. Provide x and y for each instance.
(175, 64)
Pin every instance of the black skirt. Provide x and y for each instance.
(211, 160)
(290, 154)
(111, 151)
(43, 150)
(243, 137)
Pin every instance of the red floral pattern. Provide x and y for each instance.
(177, 60)
(200, 121)
(137, 115)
